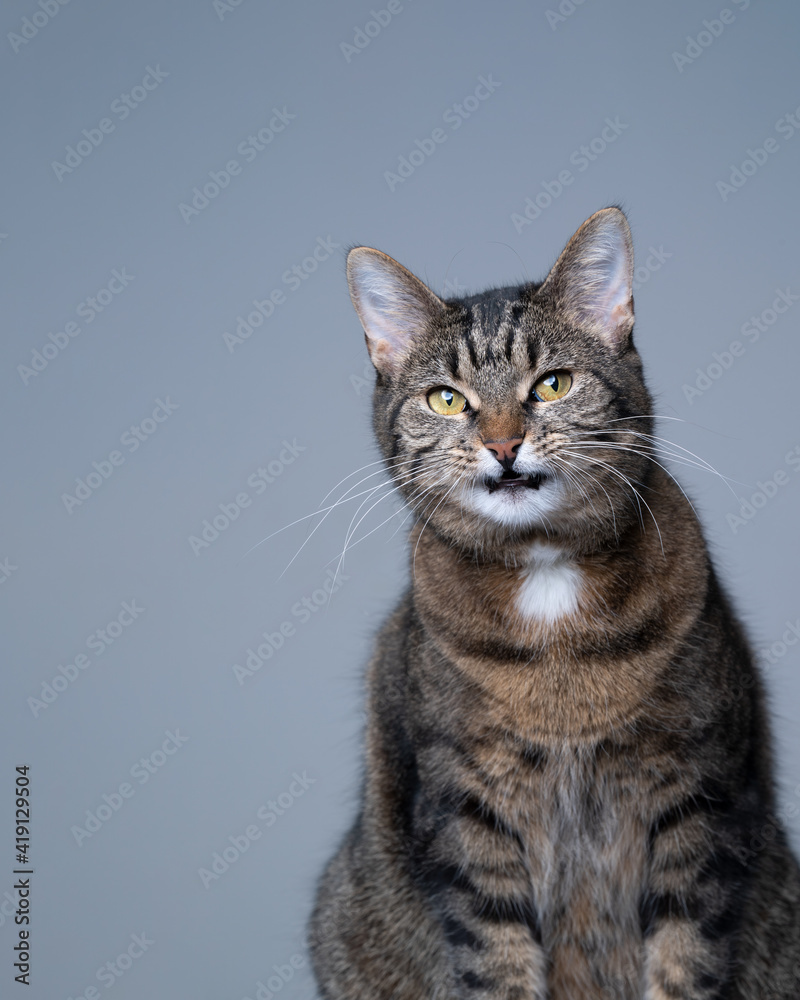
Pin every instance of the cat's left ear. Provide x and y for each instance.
(394, 307)
(591, 282)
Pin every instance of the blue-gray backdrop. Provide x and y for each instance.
(182, 375)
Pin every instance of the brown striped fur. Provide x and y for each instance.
(555, 806)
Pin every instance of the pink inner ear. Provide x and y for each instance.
(394, 307)
(382, 354)
(621, 314)
(597, 272)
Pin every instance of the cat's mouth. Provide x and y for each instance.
(514, 480)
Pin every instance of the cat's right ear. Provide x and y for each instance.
(592, 281)
(395, 308)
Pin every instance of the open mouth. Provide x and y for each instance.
(514, 480)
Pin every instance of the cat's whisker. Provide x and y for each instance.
(351, 528)
(573, 480)
(369, 465)
(456, 482)
(703, 464)
(324, 510)
(369, 492)
(392, 463)
(629, 484)
(305, 517)
(349, 544)
(400, 525)
(413, 499)
(425, 464)
(663, 453)
(421, 473)
(638, 497)
(613, 446)
(578, 471)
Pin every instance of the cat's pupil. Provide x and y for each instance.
(447, 397)
(552, 381)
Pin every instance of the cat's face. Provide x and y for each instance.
(513, 415)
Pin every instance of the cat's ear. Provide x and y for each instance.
(394, 307)
(591, 282)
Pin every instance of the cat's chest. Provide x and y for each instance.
(549, 585)
(583, 841)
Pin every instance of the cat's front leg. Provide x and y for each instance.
(492, 945)
(690, 910)
(473, 872)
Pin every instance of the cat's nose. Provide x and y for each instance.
(504, 451)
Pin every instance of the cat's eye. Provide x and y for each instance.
(446, 402)
(552, 386)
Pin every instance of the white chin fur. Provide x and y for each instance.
(521, 507)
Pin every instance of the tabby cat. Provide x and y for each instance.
(568, 791)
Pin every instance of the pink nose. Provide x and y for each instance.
(504, 451)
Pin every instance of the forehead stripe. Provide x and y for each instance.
(452, 360)
(473, 356)
(510, 340)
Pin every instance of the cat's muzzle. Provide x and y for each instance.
(511, 479)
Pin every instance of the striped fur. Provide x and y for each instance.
(557, 802)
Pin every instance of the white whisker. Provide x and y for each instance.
(616, 472)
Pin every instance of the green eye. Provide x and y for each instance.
(446, 402)
(552, 386)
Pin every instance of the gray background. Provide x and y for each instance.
(300, 377)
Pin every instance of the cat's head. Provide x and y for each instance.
(514, 414)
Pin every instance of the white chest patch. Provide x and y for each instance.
(550, 585)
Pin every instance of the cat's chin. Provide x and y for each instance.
(525, 501)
